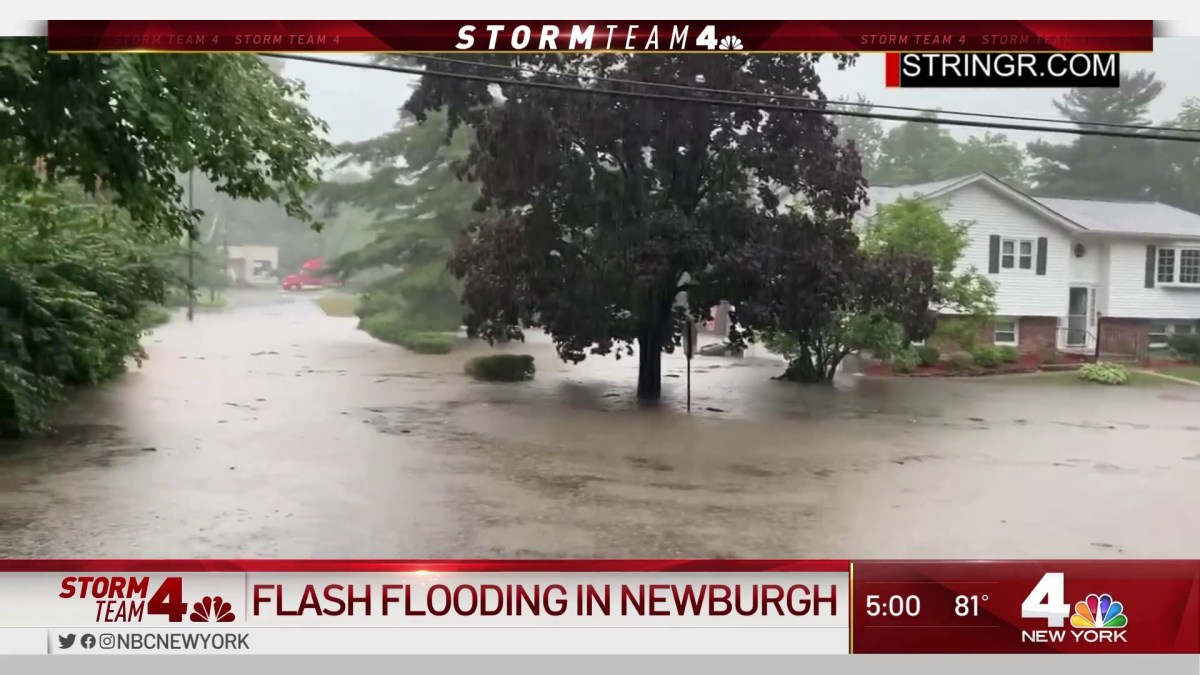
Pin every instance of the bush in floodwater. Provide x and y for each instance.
(501, 367)
(1104, 373)
(1009, 354)
(427, 343)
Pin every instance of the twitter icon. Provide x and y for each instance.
(65, 641)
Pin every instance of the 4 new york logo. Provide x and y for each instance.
(1096, 618)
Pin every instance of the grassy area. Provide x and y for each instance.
(338, 304)
(1071, 378)
(1186, 372)
(209, 303)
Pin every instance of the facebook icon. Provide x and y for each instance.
(87, 641)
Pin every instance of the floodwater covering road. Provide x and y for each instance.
(271, 430)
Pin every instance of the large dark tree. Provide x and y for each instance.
(1099, 166)
(604, 206)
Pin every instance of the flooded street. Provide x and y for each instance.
(272, 430)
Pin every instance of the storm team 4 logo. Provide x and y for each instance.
(1096, 618)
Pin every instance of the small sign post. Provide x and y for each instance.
(689, 350)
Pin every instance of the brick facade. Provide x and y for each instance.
(1037, 334)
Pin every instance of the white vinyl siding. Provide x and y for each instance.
(1019, 292)
(1085, 269)
(1127, 292)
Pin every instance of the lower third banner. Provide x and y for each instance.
(598, 606)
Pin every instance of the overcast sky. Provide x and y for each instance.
(360, 104)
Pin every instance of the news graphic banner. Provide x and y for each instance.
(483, 36)
(668, 607)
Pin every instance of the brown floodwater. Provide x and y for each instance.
(271, 430)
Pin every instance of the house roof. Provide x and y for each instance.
(1148, 218)
(1152, 219)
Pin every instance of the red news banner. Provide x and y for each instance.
(612, 35)
(663, 606)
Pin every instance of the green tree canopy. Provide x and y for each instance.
(129, 123)
(916, 152)
(910, 227)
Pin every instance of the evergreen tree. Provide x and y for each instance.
(420, 207)
(1100, 167)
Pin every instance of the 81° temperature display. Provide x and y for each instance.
(910, 605)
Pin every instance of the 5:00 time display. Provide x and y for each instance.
(893, 605)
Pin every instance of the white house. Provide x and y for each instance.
(1071, 272)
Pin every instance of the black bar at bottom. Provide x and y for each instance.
(1011, 69)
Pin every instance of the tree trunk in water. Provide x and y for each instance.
(806, 369)
(649, 367)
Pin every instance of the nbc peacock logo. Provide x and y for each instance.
(1099, 611)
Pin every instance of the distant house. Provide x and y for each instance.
(1073, 272)
(252, 265)
(245, 264)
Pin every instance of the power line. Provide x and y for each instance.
(811, 101)
(738, 104)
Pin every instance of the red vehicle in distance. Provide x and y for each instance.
(309, 276)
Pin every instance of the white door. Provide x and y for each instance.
(1081, 317)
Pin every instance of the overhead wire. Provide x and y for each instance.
(815, 101)
(761, 106)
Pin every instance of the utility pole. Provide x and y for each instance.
(191, 247)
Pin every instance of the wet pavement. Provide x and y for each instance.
(271, 430)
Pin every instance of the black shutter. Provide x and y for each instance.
(1151, 259)
(1041, 256)
(994, 254)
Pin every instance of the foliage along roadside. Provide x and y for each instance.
(90, 204)
(76, 280)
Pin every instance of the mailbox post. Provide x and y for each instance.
(689, 350)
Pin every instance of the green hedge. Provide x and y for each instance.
(1186, 346)
(928, 355)
(987, 356)
(905, 361)
(387, 326)
(427, 343)
(501, 367)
